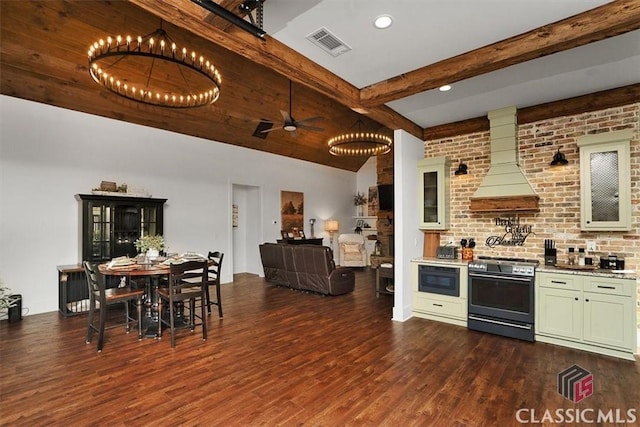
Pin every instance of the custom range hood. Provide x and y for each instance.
(504, 188)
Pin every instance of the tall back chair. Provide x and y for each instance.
(101, 297)
(215, 268)
(187, 283)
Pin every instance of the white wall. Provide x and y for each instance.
(49, 154)
(367, 176)
(408, 242)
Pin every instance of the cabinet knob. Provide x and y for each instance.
(576, 298)
(586, 300)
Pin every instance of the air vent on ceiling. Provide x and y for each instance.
(328, 42)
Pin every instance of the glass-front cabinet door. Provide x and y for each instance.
(433, 193)
(150, 225)
(605, 182)
(100, 223)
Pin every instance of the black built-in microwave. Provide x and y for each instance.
(439, 280)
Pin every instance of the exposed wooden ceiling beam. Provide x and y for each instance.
(606, 21)
(274, 55)
(567, 107)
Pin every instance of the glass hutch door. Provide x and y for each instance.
(101, 235)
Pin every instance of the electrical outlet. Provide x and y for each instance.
(591, 246)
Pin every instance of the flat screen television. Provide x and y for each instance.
(385, 197)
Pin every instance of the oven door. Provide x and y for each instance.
(501, 296)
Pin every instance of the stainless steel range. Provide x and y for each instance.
(501, 292)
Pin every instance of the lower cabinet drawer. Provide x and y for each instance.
(560, 281)
(440, 305)
(609, 286)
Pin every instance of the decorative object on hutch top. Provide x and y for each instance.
(605, 181)
(433, 193)
(110, 224)
(182, 78)
(359, 142)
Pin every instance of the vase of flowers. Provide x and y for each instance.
(359, 200)
(150, 245)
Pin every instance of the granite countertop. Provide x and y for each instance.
(629, 274)
(443, 261)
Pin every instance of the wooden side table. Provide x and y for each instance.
(383, 274)
(376, 260)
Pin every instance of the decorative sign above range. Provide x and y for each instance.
(515, 234)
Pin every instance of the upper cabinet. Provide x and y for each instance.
(433, 193)
(111, 225)
(605, 181)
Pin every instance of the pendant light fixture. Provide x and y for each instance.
(360, 143)
(153, 70)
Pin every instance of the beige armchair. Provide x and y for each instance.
(352, 250)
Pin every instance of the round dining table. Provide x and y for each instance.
(151, 273)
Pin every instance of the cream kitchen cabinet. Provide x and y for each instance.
(442, 308)
(605, 181)
(433, 193)
(587, 312)
(559, 313)
(605, 320)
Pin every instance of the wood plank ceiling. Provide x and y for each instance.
(43, 47)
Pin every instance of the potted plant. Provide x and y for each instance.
(150, 245)
(359, 200)
(7, 300)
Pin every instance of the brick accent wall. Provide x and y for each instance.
(558, 188)
(384, 169)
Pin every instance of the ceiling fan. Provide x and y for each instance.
(291, 124)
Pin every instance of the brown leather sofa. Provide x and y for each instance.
(305, 267)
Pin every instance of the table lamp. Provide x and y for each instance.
(312, 221)
(331, 226)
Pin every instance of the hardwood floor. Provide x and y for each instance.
(281, 357)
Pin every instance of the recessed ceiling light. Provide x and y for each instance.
(444, 88)
(383, 21)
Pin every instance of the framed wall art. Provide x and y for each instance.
(372, 201)
(292, 210)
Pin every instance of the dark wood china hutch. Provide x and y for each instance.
(111, 224)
